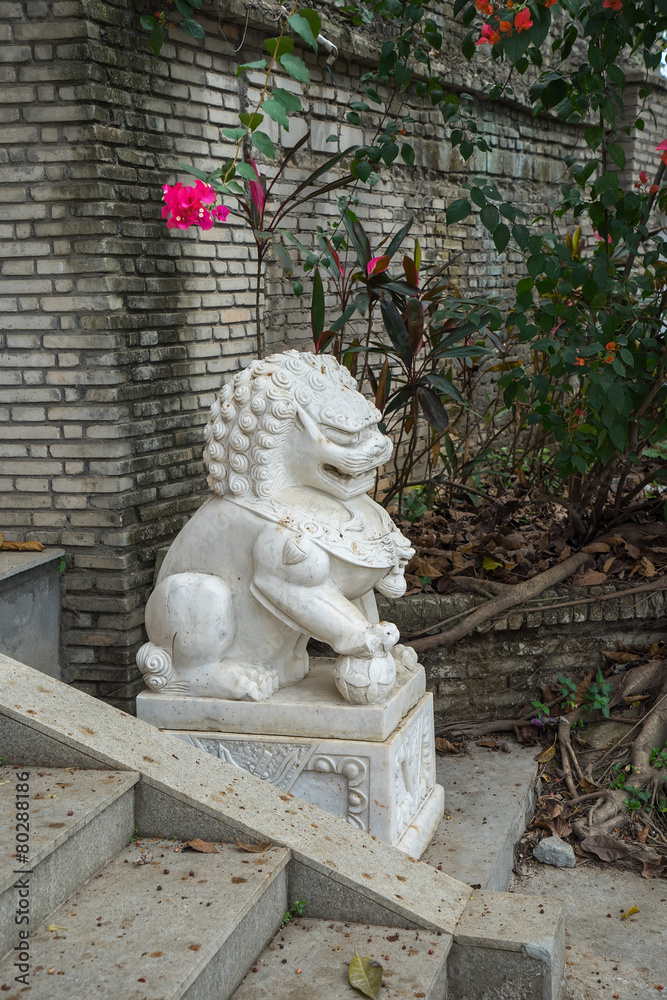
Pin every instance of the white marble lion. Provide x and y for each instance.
(288, 547)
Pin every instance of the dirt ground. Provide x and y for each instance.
(606, 955)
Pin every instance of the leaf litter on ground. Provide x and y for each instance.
(512, 539)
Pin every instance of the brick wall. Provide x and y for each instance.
(117, 334)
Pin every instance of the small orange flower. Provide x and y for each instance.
(580, 361)
(505, 27)
(611, 346)
(609, 359)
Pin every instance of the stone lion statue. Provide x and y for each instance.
(288, 547)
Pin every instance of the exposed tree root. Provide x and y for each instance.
(517, 594)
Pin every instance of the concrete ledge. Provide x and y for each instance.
(30, 608)
(54, 717)
(508, 945)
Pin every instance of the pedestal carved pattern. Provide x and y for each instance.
(389, 786)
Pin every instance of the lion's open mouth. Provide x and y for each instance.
(345, 478)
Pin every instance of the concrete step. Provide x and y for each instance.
(182, 926)
(76, 821)
(308, 960)
(489, 800)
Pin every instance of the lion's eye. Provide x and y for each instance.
(340, 436)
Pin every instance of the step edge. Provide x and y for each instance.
(81, 823)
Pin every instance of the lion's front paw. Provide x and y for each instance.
(406, 658)
(382, 637)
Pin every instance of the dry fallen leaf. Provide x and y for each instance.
(560, 827)
(444, 746)
(606, 848)
(365, 975)
(591, 578)
(203, 846)
(255, 848)
(546, 755)
(237, 879)
(617, 656)
(596, 547)
(633, 909)
(21, 546)
(491, 744)
(641, 837)
(652, 870)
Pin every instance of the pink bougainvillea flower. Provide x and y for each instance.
(550, 3)
(488, 36)
(613, 4)
(599, 238)
(377, 265)
(189, 205)
(522, 21)
(256, 190)
(663, 145)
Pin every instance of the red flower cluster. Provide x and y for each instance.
(490, 35)
(613, 4)
(186, 206)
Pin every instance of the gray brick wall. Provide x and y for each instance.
(116, 334)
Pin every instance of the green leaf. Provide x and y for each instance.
(156, 39)
(433, 409)
(251, 121)
(278, 47)
(490, 217)
(458, 210)
(296, 68)
(408, 154)
(317, 307)
(276, 111)
(501, 237)
(365, 975)
(234, 133)
(192, 28)
(307, 24)
(490, 563)
(245, 170)
(360, 169)
(283, 257)
(184, 8)
(395, 327)
(258, 64)
(617, 154)
(147, 21)
(264, 144)
(398, 238)
(289, 101)
(593, 136)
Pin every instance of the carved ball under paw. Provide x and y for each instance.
(365, 681)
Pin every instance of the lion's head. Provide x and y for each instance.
(293, 420)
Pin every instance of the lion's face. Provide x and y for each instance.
(335, 460)
(293, 420)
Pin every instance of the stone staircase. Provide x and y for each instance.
(120, 909)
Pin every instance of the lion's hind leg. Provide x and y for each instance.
(190, 625)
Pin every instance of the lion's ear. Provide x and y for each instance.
(293, 552)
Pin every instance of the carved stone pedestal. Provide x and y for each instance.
(371, 764)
